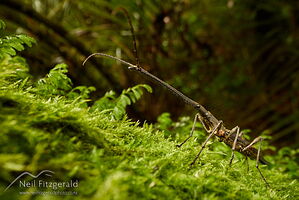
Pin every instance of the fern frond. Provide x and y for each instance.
(56, 82)
(127, 97)
(10, 44)
(118, 105)
(104, 103)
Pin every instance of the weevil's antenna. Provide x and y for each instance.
(148, 75)
(133, 36)
(109, 56)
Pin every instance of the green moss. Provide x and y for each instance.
(47, 125)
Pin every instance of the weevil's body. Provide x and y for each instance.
(251, 152)
(209, 121)
(211, 124)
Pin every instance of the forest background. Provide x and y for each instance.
(239, 59)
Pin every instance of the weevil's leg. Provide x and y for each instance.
(247, 163)
(234, 130)
(256, 140)
(257, 162)
(237, 129)
(204, 124)
(204, 144)
(192, 130)
(241, 134)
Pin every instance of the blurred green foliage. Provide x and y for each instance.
(45, 125)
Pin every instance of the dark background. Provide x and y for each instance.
(237, 58)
